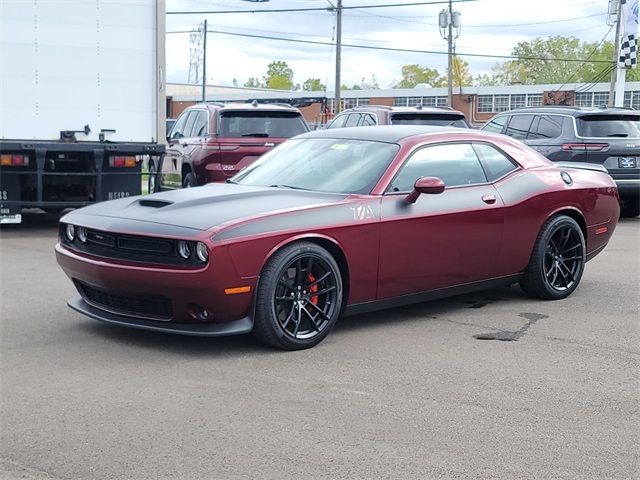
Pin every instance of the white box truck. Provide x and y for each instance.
(82, 100)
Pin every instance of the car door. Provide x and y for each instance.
(440, 240)
(170, 173)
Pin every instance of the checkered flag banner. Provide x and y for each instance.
(629, 44)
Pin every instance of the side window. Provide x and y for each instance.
(200, 124)
(178, 128)
(352, 121)
(548, 126)
(519, 126)
(338, 122)
(367, 120)
(454, 163)
(495, 163)
(188, 126)
(496, 124)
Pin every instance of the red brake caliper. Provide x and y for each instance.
(313, 289)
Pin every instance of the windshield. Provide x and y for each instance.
(321, 164)
(236, 124)
(443, 120)
(622, 126)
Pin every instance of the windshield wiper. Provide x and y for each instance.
(257, 134)
(228, 180)
(287, 186)
(618, 135)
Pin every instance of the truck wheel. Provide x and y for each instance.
(151, 181)
(189, 180)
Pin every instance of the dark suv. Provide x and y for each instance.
(212, 142)
(383, 115)
(607, 136)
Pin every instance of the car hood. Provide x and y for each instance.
(199, 208)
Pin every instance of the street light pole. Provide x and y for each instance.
(450, 56)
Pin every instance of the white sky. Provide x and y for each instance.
(490, 27)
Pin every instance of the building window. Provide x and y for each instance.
(485, 103)
(363, 101)
(414, 101)
(534, 100)
(584, 99)
(350, 103)
(441, 101)
(429, 101)
(600, 99)
(635, 100)
(518, 100)
(400, 102)
(501, 103)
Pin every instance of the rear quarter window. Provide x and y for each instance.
(622, 126)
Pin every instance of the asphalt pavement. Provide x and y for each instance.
(408, 393)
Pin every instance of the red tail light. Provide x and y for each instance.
(122, 161)
(7, 160)
(585, 146)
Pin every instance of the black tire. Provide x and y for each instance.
(151, 181)
(189, 180)
(630, 207)
(557, 261)
(288, 315)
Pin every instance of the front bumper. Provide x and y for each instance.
(236, 327)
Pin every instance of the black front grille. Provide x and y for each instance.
(139, 305)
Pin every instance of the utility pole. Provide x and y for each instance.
(337, 102)
(617, 74)
(204, 64)
(447, 21)
(450, 56)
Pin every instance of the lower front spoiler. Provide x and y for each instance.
(236, 327)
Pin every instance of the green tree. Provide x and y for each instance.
(279, 76)
(460, 70)
(413, 75)
(313, 85)
(371, 84)
(253, 82)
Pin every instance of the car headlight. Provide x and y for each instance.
(70, 232)
(184, 249)
(82, 234)
(202, 251)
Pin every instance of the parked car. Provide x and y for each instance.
(212, 142)
(339, 221)
(604, 136)
(368, 115)
(169, 123)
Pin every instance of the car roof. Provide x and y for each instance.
(573, 110)
(416, 109)
(387, 133)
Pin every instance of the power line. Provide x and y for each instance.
(316, 9)
(389, 49)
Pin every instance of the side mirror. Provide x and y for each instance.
(428, 185)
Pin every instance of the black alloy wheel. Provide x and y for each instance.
(557, 261)
(299, 297)
(189, 180)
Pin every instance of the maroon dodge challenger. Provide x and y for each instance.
(338, 222)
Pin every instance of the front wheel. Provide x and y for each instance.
(557, 261)
(299, 297)
(189, 180)
(151, 181)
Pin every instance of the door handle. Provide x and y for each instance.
(489, 199)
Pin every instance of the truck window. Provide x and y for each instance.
(178, 128)
(200, 125)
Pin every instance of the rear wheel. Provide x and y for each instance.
(299, 297)
(557, 261)
(630, 207)
(151, 181)
(189, 180)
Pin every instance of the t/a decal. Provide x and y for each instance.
(362, 212)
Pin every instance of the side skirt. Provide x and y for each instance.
(431, 295)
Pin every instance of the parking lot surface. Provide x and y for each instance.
(414, 392)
